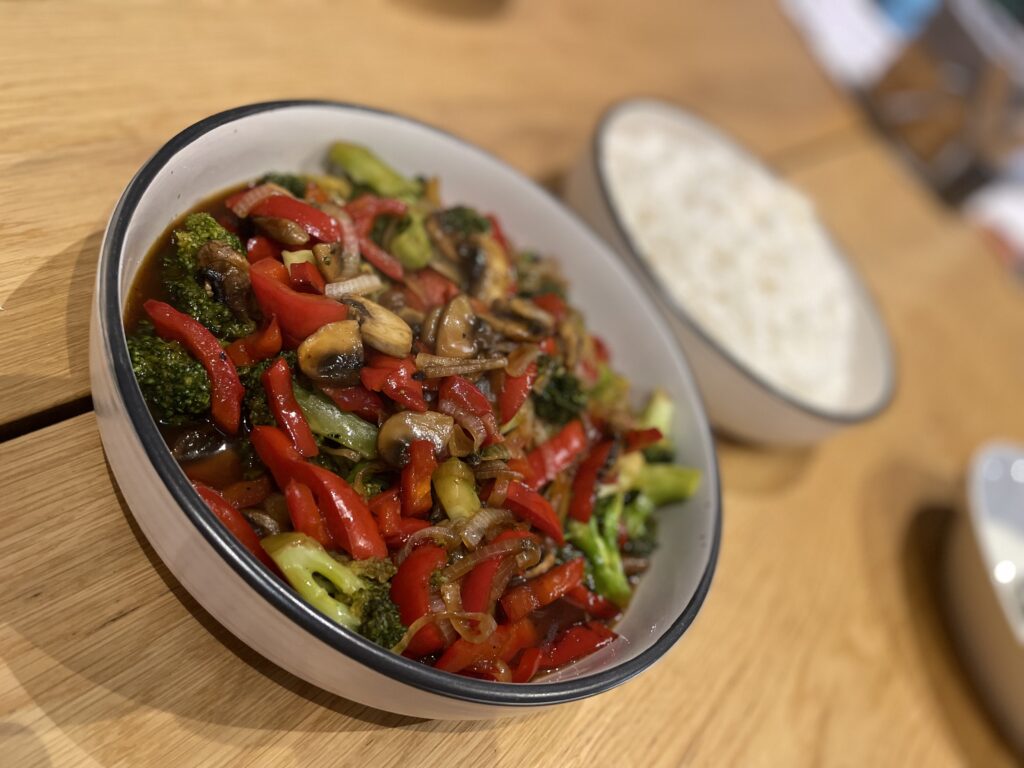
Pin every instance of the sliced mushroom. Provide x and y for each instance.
(455, 335)
(489, 270)
(333, 354)
(510, 329)
(381, 328)
(440, 238)
(285, 231)
(399, 431)
(336, 262)
(226, 274)
(527, 310)
(428, 330)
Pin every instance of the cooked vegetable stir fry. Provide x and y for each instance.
(401, 415)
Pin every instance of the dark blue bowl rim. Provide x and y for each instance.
(248, 568)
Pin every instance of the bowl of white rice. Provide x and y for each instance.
(785, 341)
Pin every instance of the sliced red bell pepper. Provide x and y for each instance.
(306, 278)
(598, 606)
(407, 526)
(381, 259)
(260, 345)
(299, 314)
(497, 232)
(235, 522)
(601, 349)
(259, 247)
(393, 377)
(428, 288)
(477, 584)
(544, 590)
(530, 506)
(457, 395)
(528, 666)
(386, 506)
(557, 454)
(315, 193)
(514, 391)
(584, 484)
(247, 493)
(364, 212)
(318, 224)
(346, 514)
(504, 643)
(410, 591)
(358, 400)
(226, 390)
(575, 643)
(277, 381)
(638, 439)
(417, 499)
(305, 514)
(553, 304)
(215, 469)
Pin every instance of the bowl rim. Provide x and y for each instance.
(246, 566)
(837, 416)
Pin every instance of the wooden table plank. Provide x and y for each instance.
(821, 642)
(91, 89)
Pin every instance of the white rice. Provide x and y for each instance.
(742, 252)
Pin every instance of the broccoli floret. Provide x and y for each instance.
(256, 407)
(561, 398)
(336, 589)
(640, 524)
(178, 275)
(462, 221)
(598, 539)
(659, 414)
(174, 384)
(290, 181)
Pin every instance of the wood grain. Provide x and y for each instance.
(822, 642)
(91, 89)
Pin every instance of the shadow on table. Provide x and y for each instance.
(754, 469)
(466, 9)
(22, 747)
(22, 310)
(922, 507)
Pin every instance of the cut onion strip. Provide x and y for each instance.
(439, 619)
(255, 196)
(357, 285)
(521, 358)
(473, 424)
(436, 367)
(483, 523)
(502, 576)
(495, 468)
(545, 565)
(460, 568)
(440, 534)
(471, 631)
(500, 492)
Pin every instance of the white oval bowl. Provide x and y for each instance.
(739, 400)
(241, 144)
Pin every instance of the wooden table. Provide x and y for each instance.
(822, 640)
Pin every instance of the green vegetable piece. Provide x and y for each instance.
(365, 168)
(174, 383)
(598, 539)
(667, 483)
(640, 524)
(412, 246)
(462, 221)
(381, 623)
(455, 485)
(197, 230)
(659, 414)
(292, 182)
(610, 390)
(562, 398)
(329, 421)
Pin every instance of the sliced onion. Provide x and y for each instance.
(471, 631)
(460, 444)
(500, 492)
(470, 422)
(545, 565)
(480, 525)
(345, 453)
(440, 534)
(442, 619)
(458, 569)
(356, 285)
(446, 269)
(255, 196)
(495, 468)
(528, 558)
(502, 576)
(436, 367)
(349, 244)
(521, 358)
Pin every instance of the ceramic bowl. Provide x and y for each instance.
(739, 400)
(234, 146)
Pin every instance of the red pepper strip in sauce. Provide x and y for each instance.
(358, 400)
(364, 212)
(247, 493)
(411, 590)
(504, 643)
(346, 514)
(235, 522)
(387, 509)
(243, 201)
(416, 494)
(259, 345)
(638, 439)
(318, 224)
(544, 590)
(497, 232)
(477, 584)
(393, 377)
(528, 666)
(306, 278)
(554, 305)
(584, 484)
(530, 506)
(428, 288)
(458, 394)
(226, 390)
(299, 314)
(575, 643)
(277, 381)
(557, 454)
(259, 247)
(514, 391)
(598, 606)
(305, 514)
